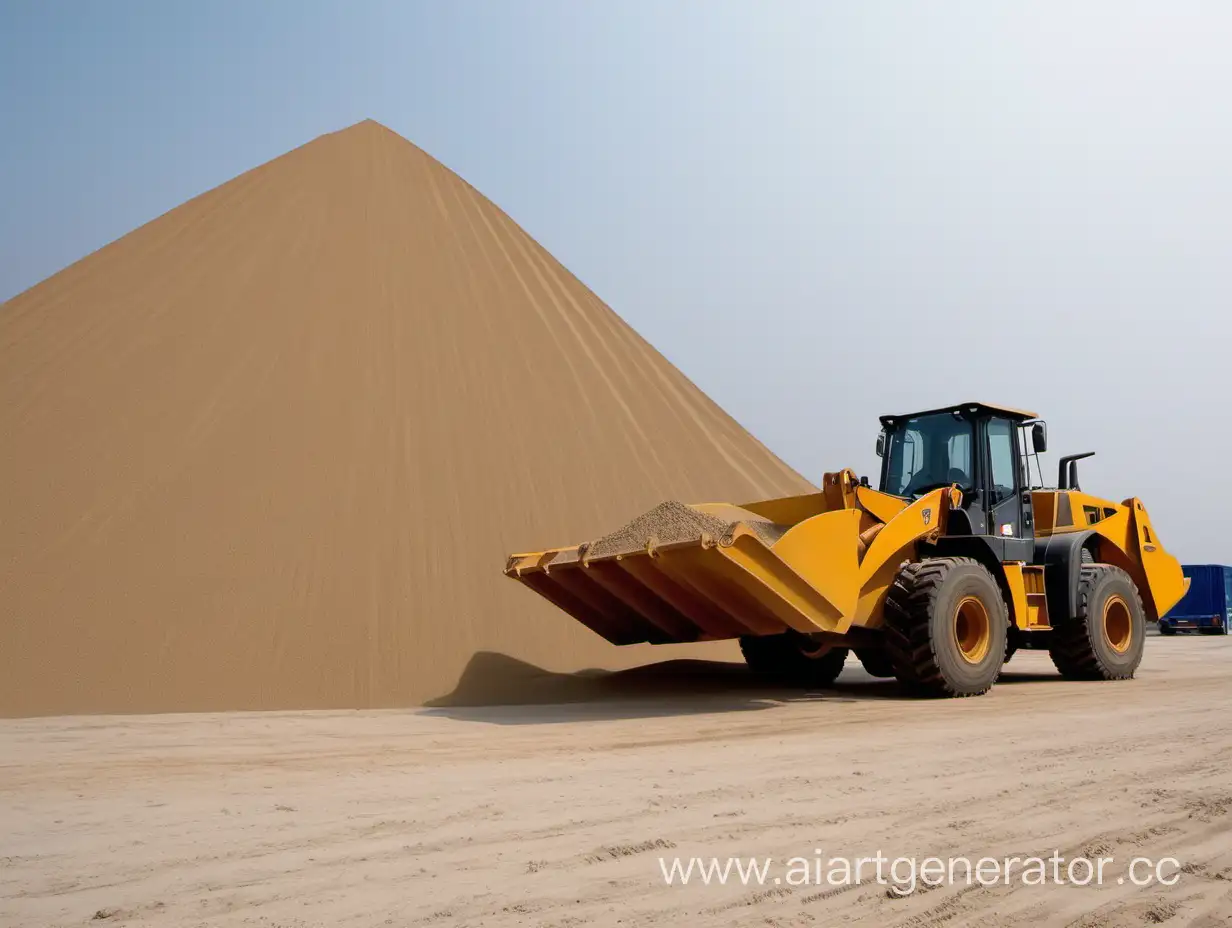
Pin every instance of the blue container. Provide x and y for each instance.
(1207, 607)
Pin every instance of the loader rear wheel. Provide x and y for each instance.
(876, 662)
(1105, 640)
(1166, 630)
(793, 658)
(946, 627)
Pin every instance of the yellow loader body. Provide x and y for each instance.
(936, 579)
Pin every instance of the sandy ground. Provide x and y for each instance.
(555, 815)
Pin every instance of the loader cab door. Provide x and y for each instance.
(1001, 490)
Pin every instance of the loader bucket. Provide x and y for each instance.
(684, 573)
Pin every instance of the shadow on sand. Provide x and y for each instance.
(503, 690)
(500, 689)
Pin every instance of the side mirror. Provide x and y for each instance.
(1039, 437)
(881, 445)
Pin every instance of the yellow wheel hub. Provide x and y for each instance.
(972, 630)
(1118, 624)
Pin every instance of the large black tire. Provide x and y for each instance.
(876, 662)
(792, 658)
(946, 626)
(1105, 640)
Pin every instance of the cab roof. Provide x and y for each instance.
(977, 409)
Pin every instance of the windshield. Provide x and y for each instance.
(928, 452)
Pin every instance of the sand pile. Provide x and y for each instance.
(272, 449)
(672, 522)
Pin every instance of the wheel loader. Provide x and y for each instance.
(936, 577)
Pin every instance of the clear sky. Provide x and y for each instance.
(819, 211)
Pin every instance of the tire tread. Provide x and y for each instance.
(909, 606)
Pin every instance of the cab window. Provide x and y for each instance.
(1001, 458)
(928, 452)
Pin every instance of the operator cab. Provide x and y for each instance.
(979, 447)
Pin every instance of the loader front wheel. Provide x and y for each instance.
(946, 627)
(792, 658)
(1105, 640)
